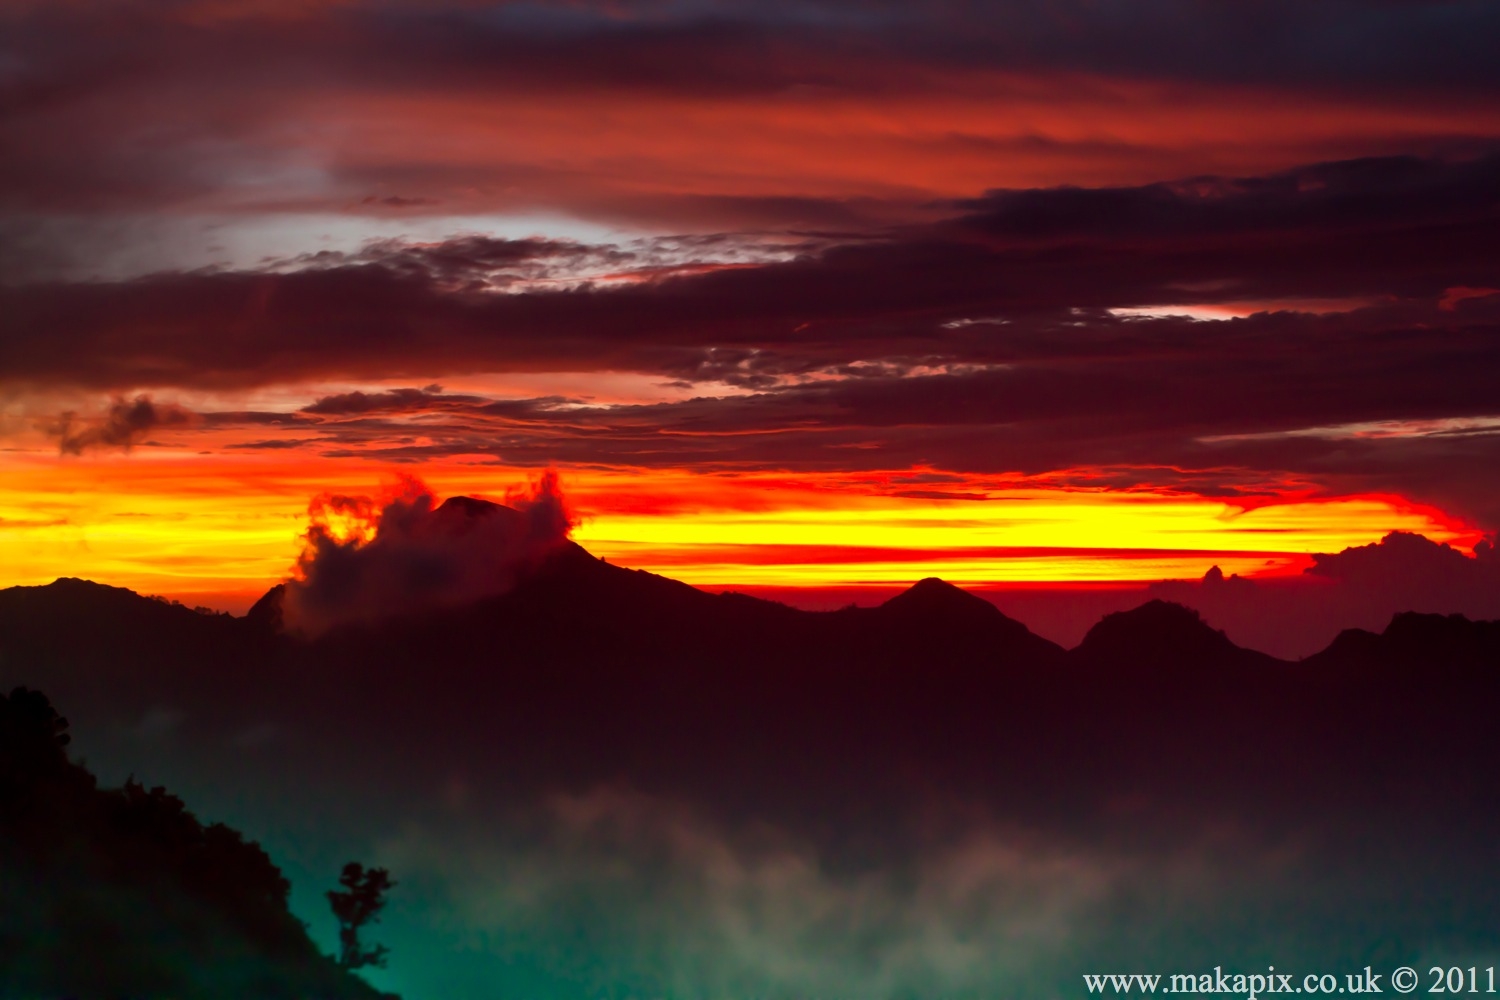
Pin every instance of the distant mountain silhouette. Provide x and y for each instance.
(947, 614)
(934, 598)
(124, 893)
(1414, 639)
(586, 671)
(1160, 635)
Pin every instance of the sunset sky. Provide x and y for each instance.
(790, 294)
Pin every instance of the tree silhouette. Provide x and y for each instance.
(161, 905)
(358, 905)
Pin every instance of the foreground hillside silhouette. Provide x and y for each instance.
(579, 761)
(109, 893)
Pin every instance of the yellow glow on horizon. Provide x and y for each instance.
(183, 523)
(1031, 518)
(1058, 568)
(1244, 542)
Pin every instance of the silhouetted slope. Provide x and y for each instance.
(1447, 641)
(938, 601)
(123, 893)
(1162, 636)
(944, 613)
(1415, 699)
(72, 618)
(71, 612)
(107, 651)
(265, 614)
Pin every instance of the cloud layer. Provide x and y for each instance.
(368, 560)
(1037, 245)
(704, 117)
(650, 895)
(1033, 333)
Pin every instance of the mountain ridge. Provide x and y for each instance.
(562, 580)
(590, 675)
(931, 595)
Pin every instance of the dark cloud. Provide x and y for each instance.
(477, 263)
(1329, 198)
(1375, 230)
(270, 444)
(254, 418)
(1409, 561)
(366, 560)
(749, 49)
(988, 343)
(394, 401)
(1234, 413)
(124, 425)
(397, 201)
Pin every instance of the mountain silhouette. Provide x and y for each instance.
(591, 671)
(265, 614)
(1412, 638)
(1162, 635)
(937, 599)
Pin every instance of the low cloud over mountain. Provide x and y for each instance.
(367, 560)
